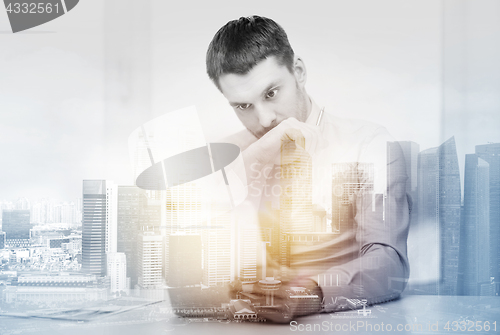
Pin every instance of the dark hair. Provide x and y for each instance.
(239, 45)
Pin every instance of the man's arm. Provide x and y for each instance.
(379, 274)
(381, 270)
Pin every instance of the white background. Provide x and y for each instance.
(72, 90)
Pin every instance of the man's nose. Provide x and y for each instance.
(266, 116)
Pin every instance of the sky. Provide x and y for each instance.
(73, 90)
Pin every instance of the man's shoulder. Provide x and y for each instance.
(354, 130)
(242, 139)
(352, 125)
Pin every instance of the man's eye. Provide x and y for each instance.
(272, 93)
(243, 107)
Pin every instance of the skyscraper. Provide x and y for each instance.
(185, 211)
(216, 240)
(111, 216)
(474, 240)
(428, 185)
(439, 201)
(450, 198)
(98, 217)
(491, 154)
(150, 256)
(296, 188)
(295, 199)
(423, 239)
(131, 201)
(245, 238)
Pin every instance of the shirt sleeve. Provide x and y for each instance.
(380, 270)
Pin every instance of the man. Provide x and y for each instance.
(363, 255)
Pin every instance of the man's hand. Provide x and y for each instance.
(267, 149)
(287, 308)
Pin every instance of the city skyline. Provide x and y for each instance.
(133, 241)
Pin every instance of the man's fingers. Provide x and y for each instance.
(293, 134)
(311, 134)
(267, 149)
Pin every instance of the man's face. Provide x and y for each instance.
(267, 95)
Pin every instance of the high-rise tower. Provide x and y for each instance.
(474, 240)
(98, 225)
(295, 199)
(439, 201)
(150, 256)
(491, 154)
(131, 201)
(450, 198)
(216, 240)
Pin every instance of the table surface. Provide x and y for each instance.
(416, 314)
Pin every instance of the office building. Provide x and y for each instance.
(295, 198)
(150, 256)
(111, 217)
(474, 240)
(130, 203)
(296, 188)
(216, 240)
(185, 213)
(450, 198)
(439, 199)
(246, 254)
(490, 153)
(428, 185)
(98, 225)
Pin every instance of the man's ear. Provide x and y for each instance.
(299, 71)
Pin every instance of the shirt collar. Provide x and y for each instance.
(313, 116)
